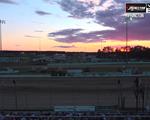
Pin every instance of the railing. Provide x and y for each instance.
(96, 116)
(96, 74)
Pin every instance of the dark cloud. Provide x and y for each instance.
(76, 8)
(110, 14)
(74, 35)
(49, 1)
(138, 30)
(64, 32)
(42, 13)
(79, 38)
(133, 1)
(71, 46)
(8, 1)
(46, 0)
(30, 36)
(111, 18)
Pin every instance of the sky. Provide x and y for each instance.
(70, 25)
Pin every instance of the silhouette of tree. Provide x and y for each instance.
(137, 52)
(108, 49)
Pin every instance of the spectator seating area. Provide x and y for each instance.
(46, 115)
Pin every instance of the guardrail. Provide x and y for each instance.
(113, 74)
(96, 116)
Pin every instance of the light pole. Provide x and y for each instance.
(1, 22)
(126, 39)
(101, 46)
(100, 43)
(15, 94)
(39, 44)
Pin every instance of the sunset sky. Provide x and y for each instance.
(70, 25)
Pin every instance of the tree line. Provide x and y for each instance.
(136, 52)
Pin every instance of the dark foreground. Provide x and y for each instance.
(73, 116)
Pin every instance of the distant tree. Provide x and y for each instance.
(117, 50)
(137, 52)
(107, 49)
(138, 49)
(99, 50)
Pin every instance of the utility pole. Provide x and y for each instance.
(1, 44)
(126, 39)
